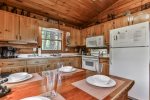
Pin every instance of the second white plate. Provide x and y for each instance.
(93, 80)
(29, 76)
(36, 98)
(67, 69)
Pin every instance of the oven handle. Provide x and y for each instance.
(90, 59)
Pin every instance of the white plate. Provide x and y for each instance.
(36, 98)
(100, 81)
(10, 80)
(18, 76)
(67, 69)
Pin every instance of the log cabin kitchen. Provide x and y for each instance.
(74, 49)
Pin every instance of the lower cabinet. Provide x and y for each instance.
(36, 65)
(36, 68)
(13, 69)
(105, 66)
(67, 61)
(12, 66)
(52, 63)
(72, 61)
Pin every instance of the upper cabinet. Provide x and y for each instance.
(75, 38)
(106, 27)
(1, 25)
(14, 27)
(11, 26)
(140, 17)
(121, 22)
(28, 29)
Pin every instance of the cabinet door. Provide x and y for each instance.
(98, 30)
(141, 17)
(78, 62)
(13, 69)
(35, 29)
(36, 68)
(52, 63)
(73, 37)
(1, 25)
(106, 27)
(28, 29)
(105, 66)
(11, 26)
(78, 38)
(121, 22)
(83, 37)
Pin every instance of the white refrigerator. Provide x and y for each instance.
(130, 57)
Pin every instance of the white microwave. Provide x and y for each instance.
(97, 41)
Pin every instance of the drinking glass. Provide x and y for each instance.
(99, 69)
(51, 82)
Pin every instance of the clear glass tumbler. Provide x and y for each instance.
(51, 82)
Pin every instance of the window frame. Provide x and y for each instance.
(60, 40)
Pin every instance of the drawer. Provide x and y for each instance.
(104, 60)
(36, 61)
(11, 69)
(12, 63)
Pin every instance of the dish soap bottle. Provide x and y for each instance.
(39, 51)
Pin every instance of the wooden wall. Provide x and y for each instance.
(63, 28)
(121, 8)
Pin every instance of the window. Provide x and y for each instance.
(51, 39)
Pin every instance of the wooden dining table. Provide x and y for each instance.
(67, 90)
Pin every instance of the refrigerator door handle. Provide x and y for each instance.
(110, 59)
(114, 37)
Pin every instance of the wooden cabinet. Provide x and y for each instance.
(12, 66)
(36, 65)
(36, 68)
(141, 17)
(1, 25)
(72, 61)
(98, 30)
(104, 62)
(52, 63)
(11, 26)
(28, 29)
(18, 28)
(121, 22)
(67, 61)
(106, 27)
(83, 36)
(75, 37)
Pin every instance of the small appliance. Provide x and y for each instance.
(95, 42)
(7, 52)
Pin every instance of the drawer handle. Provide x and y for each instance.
(36, 62)
(11, 64)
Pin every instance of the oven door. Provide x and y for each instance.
(90, 64)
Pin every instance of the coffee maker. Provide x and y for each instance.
(7, 52)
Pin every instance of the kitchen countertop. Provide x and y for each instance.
(43, 56)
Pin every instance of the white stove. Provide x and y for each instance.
(92, 62)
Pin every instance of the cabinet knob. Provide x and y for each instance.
(17, 37)
(20, 37)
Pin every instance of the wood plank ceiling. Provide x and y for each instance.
(75, 12)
